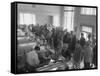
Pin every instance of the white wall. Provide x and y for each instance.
(42, 12)
(88, 20)
(84, 19)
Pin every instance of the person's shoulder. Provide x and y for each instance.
(32, 52)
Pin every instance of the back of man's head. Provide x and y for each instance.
(37, 48)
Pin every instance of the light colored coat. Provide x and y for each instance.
(88, 54)
(32, 58)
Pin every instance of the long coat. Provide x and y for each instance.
(88, 54)
(32, 58)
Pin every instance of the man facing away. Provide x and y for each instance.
(82, 40)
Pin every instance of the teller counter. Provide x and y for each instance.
(52, 67)
(24, 45)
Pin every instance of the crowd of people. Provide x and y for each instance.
(55, 43)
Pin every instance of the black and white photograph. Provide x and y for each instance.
(55, 37)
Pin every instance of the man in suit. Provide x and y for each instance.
(82, 40)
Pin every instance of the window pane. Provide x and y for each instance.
(33, 19)
(68, 8)
(87, 29)
(56, 21)
(21, 18)
(88, 11)
(27, 19)
(69, 18)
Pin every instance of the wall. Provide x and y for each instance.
(89, 20)
(42, 19)
(82, 20)
(42, 12)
